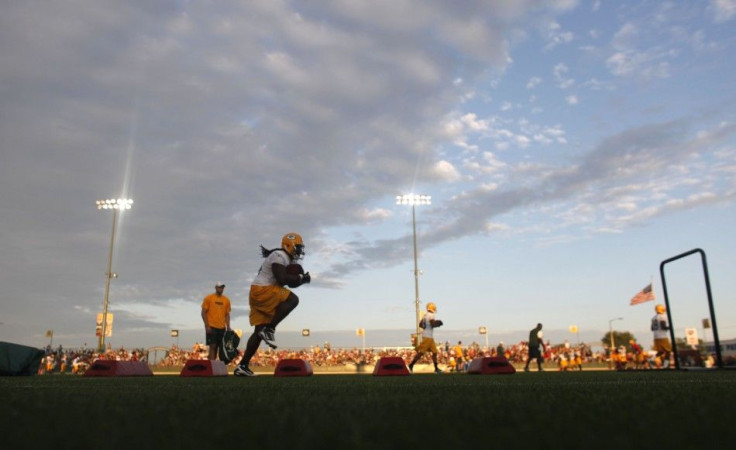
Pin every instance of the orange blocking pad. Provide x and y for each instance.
(204, 368)
(293, 368)
(109, 368)
(491, 365)
(391, 366)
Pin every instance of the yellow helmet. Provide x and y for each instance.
(660, 309)
(294, 245)
(431, 307)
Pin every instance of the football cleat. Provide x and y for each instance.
(267, 335)
(243, 371)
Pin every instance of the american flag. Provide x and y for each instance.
(644, 295)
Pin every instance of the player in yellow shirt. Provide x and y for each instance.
(578, 360)
(216, 318)
(458, 352)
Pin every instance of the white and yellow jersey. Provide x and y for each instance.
(428, 328)
(265, 275)
(659, 331)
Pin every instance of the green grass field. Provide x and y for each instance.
(596, 409)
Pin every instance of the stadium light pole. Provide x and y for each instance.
(120, 204)
(414, 200)
(484, 330)
(610, 334)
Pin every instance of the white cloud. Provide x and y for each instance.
(555, 35)
(453, 128)
(628, 206)
(723, 10)
(624, 37)
(533, 82)
(487, 164)
(472, 123)
(620, 64)
(636, 63)
(649, 50)
(522, 141)
(446, 171)
(495, 226)
(597, 85)
(549, 135)
(560, 74)
(699, 41)
(555, 131)
(571, 99)
(374, 215)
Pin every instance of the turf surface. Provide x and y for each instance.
(525, 410)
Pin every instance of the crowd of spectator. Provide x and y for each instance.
(78, 360)
(565, 356)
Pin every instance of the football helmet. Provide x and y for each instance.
(660, 309)
(431, 307)
(293, 244)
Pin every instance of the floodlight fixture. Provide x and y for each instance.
(413, 199)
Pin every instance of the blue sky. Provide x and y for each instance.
(569, 147)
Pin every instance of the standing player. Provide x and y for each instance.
(660, 329)
(216, 317)
(270, 302)
(428, 323)
(458, 351)
(535, 341)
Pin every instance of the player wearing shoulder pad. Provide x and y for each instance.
(428, 345)
(660, 330)
(270, 301)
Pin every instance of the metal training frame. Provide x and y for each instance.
(716, 340)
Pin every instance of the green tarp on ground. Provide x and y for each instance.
(18, 359)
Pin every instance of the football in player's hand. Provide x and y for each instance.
(294, 269)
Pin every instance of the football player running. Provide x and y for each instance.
(270, 301)
(428, 323)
